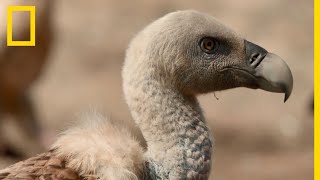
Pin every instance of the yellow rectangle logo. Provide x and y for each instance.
(32, 10)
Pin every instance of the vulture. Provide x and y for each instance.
(167, 65)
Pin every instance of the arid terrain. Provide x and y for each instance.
(257, 135)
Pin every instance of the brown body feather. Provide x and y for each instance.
(43, 166)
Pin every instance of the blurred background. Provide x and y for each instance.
(76, 65)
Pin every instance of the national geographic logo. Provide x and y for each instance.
(32, 12)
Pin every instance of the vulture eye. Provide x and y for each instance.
(208, 45)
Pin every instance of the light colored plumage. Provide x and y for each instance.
(104, 147)
(167, 65)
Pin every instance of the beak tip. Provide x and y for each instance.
(286, 97)
(287, 91)
(288, 88)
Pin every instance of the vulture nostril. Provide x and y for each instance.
(254, 57)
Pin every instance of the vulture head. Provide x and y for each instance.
(195, 54)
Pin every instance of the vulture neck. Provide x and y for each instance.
(179, 142)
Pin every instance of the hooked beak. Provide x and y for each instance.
(272, 73)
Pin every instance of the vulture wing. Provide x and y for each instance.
(41, 167)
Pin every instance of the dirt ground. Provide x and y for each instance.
(257, 135)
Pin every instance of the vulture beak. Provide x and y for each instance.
(272, 73)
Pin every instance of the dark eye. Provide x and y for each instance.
(208, 45)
